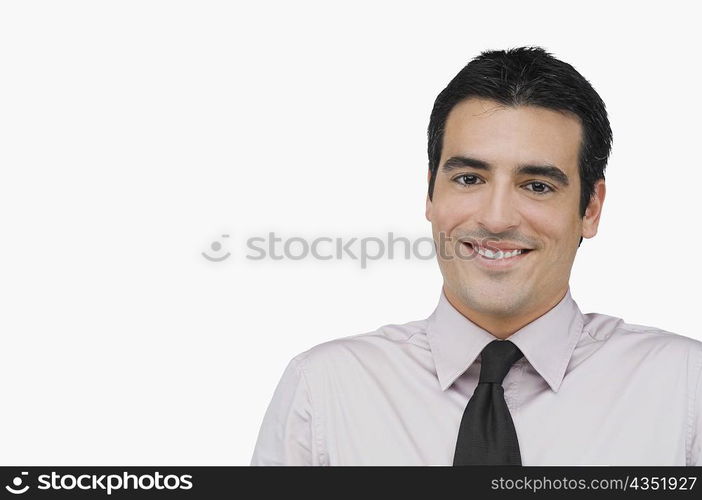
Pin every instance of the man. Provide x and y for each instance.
(507, 370)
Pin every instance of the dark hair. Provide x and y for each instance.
(529, 76)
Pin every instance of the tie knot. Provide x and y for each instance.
(496, 360)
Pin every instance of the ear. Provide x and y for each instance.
(427, 212)
(591, 219)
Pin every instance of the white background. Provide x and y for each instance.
(133, 134)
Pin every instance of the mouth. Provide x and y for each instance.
(497, 259)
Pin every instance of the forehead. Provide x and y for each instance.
(510, 135)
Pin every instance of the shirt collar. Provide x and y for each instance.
(547, 342)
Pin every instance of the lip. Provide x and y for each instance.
(499, 245)
(507, 263)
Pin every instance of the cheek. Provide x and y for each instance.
(552, 223)
(450, 208)
(451, 211)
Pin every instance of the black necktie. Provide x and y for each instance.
(487, 435)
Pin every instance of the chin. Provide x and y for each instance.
(493, 299)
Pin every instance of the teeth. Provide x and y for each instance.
(500, 254)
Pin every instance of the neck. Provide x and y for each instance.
(501, 326)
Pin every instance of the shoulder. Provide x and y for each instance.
(649, 340)
(379, 345)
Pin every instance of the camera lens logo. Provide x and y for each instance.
(17, 482)
(216, 247)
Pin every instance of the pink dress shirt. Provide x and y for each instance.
(591, 389)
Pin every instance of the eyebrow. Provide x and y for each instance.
(546, 170)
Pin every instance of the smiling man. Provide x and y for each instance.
(507, 370)
(504, 183)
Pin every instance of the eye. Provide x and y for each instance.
(465, 179)
(540, 188)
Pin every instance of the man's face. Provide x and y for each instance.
(482, 198)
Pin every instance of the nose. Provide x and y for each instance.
(498, 212)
